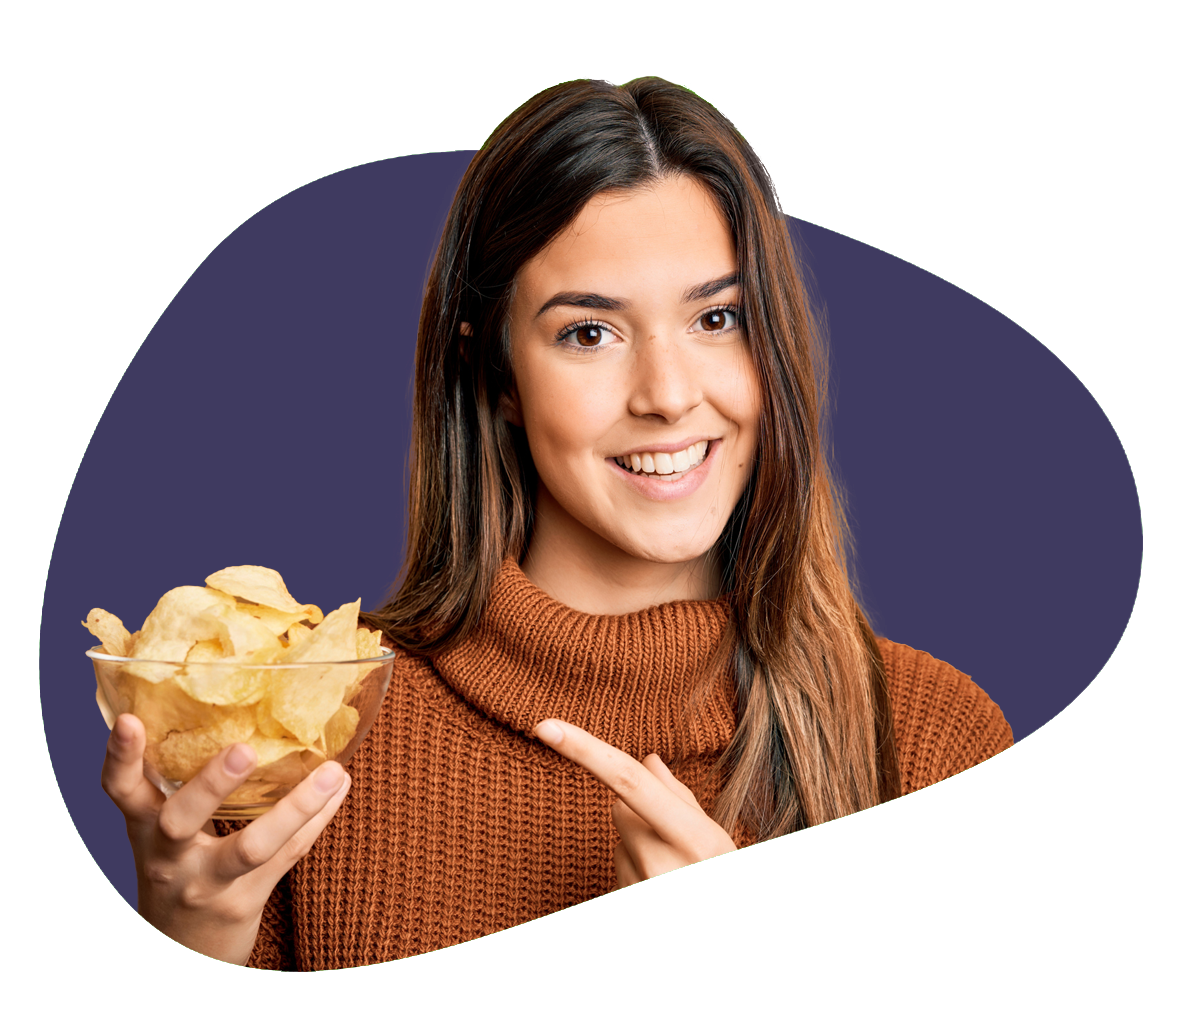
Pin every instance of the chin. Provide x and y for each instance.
(668, 555)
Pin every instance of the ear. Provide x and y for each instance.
(465, 330)
(510, 407)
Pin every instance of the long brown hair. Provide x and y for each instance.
(814, 739)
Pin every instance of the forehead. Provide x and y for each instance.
(671, 230)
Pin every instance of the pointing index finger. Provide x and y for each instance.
(667, 814)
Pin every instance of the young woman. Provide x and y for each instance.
(629, 639)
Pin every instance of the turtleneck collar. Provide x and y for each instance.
(625, 679)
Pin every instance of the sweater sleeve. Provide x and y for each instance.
(943, 722)
(273, 948)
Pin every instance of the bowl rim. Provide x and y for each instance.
(105, 657)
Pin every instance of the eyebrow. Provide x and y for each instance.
(710, 288)
(594, 301)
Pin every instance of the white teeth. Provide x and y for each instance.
(667, 465)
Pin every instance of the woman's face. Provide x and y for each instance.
(634, 383)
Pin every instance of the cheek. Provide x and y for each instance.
(564, 418)
(739, 398)
(554, 441)
(560, 438)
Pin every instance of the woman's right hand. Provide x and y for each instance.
(204, 891)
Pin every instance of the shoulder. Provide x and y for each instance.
(409, 669)
(943, 722)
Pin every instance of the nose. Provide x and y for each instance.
(665, 380)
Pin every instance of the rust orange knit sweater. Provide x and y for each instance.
(459, 823)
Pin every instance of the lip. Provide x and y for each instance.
(669, 447)
(689, 482)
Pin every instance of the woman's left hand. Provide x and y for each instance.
(661, 825)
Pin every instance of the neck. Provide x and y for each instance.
(593, 576)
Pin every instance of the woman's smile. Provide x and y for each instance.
(654, 470)
(665, 461)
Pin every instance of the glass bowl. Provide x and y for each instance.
(191, 711)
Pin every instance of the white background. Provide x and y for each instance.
(1023, 152)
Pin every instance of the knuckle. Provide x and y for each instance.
(212, 782)
(302, 848)
(235, 912)
(170, 825)
(193, 894)
(114, 784)
(160, 873)
(113, 790)
(304, 803)
(627, 781)
(250, 851)
(298, 846)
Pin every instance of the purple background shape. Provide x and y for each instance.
(266, 418)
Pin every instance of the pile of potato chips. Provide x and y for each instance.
(240, 640)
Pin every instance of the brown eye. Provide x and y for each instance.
(588, 335)
(718, 320)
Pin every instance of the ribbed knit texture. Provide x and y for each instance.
(459, 823)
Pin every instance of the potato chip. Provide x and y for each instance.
(255, 792)
(304, 699)
(262, 586)
(368, 644)
(221, 683)
(247, 639)
(287, 770)
(268, 726)
(271, 751)
(339, 730)
(311, 759)
(181, 754)
(277, 621)
(296, 633)
(182, 617)
(241, 638)
(109, 630)
(164, 707)
(368, 647)
(206, 652)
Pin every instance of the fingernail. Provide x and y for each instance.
(329, 777)
(123, 731)
(549, 732)
(239, 758)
